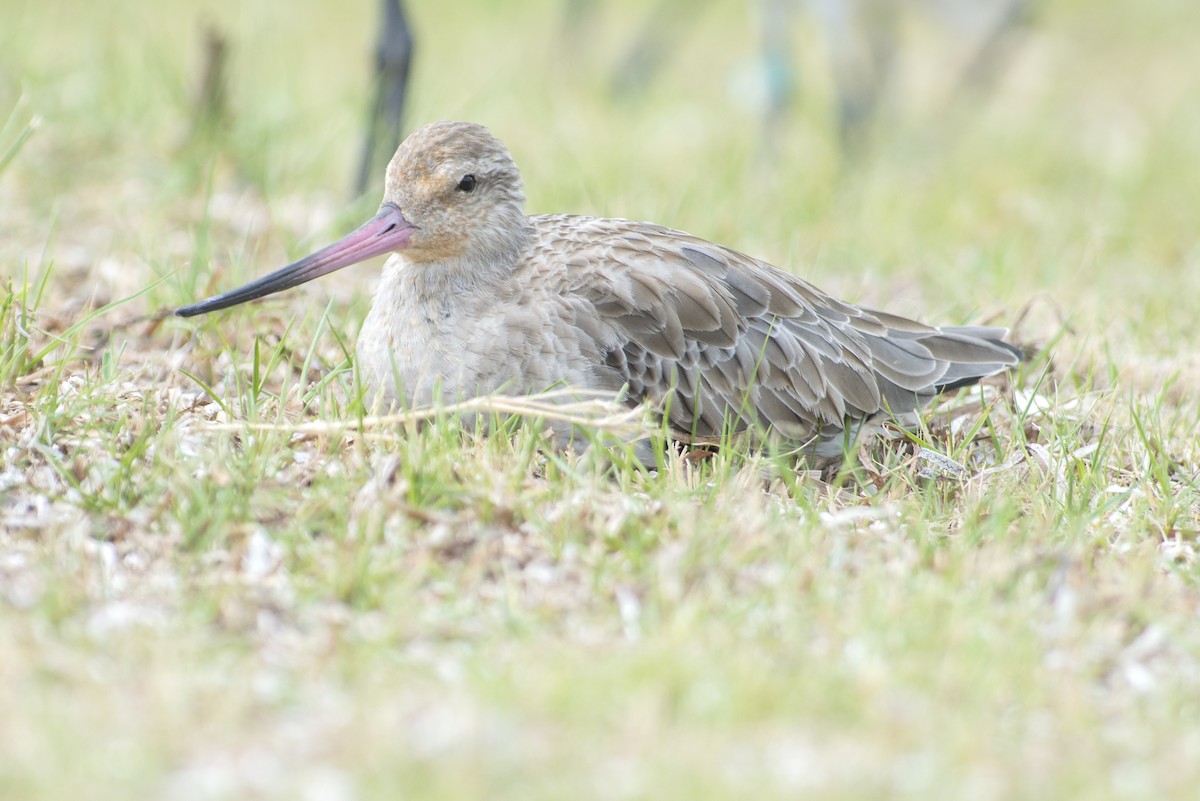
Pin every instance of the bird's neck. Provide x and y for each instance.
(479, 272)
(426, 282)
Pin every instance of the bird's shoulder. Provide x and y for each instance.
(631, 268)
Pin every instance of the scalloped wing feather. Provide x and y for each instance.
(720, 341)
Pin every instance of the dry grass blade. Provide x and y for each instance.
(602, 412)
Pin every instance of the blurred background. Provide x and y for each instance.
(988, 160)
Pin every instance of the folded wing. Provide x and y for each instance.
(725, 343)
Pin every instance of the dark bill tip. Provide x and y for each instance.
(386, 232)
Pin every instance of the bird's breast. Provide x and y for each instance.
(416, 350)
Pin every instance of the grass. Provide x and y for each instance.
(219, 578)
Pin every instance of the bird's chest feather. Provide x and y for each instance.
(418, 350)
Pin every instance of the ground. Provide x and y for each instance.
(219, 580)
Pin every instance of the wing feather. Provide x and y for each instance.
(720, 340)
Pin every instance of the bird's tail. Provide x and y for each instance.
(988, 354)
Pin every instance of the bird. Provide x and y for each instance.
(477, 297)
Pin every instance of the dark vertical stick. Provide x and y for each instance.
(393, 58)
(210, 111)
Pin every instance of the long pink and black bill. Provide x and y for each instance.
(387, 231)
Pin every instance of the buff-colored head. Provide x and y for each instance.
(452, 199)
(459, 188)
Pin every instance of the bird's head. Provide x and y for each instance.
(457, 187)
(452, 196)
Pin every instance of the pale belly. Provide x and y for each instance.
(407, 358)
(411, 365)
(427, 341)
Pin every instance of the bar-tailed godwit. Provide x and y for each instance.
(479, 298)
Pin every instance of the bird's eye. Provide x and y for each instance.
(466, 183)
